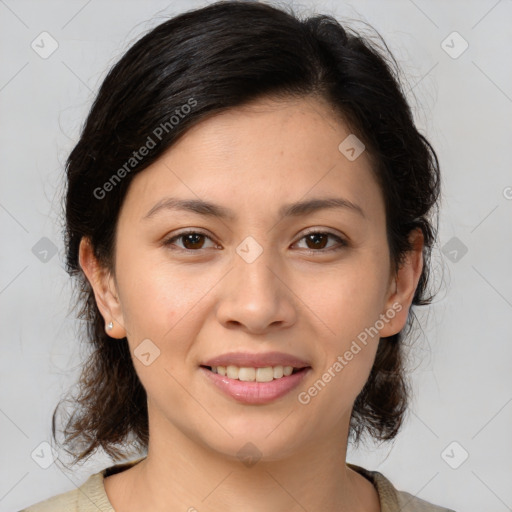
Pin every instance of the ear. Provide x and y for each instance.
(403, 286)
(104, 287)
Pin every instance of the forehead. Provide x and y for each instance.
(258, 157)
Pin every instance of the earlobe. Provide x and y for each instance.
(403, 286)
(104, 289)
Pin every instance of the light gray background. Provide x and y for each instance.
(462, 379)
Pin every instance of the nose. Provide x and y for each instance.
(257, 296)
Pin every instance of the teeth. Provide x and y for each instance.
(287, 370)
(232, 372)
(265, 374)
(278, 372)
(246, 374)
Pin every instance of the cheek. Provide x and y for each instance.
(346, 358)
(155, 295)
(161, 311)
(166, 305)
(349, 299)
(350, 304)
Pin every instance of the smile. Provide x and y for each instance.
(249, 374)
(243, 384)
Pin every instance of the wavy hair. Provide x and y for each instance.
(226, 55)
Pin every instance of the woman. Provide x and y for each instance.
(249, 217)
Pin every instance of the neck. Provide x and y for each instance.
(180, 473)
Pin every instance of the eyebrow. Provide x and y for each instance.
(209, 209)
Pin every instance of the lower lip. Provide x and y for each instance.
(256, 392)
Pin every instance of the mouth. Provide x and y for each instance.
(255, 385)
(253, 374)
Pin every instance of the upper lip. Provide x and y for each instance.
(245, 359)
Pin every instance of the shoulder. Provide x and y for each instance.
(409, 503)
(89, 497)
(65, 502)
(391, 499)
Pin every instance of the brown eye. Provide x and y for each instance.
(316, 241)
(191, 240)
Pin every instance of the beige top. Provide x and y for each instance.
(91, 495)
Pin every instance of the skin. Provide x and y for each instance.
(197, 305)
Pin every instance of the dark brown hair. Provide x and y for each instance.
(215, 58)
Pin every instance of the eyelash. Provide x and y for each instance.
(170, 241)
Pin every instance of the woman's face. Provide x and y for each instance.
(252, 282)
